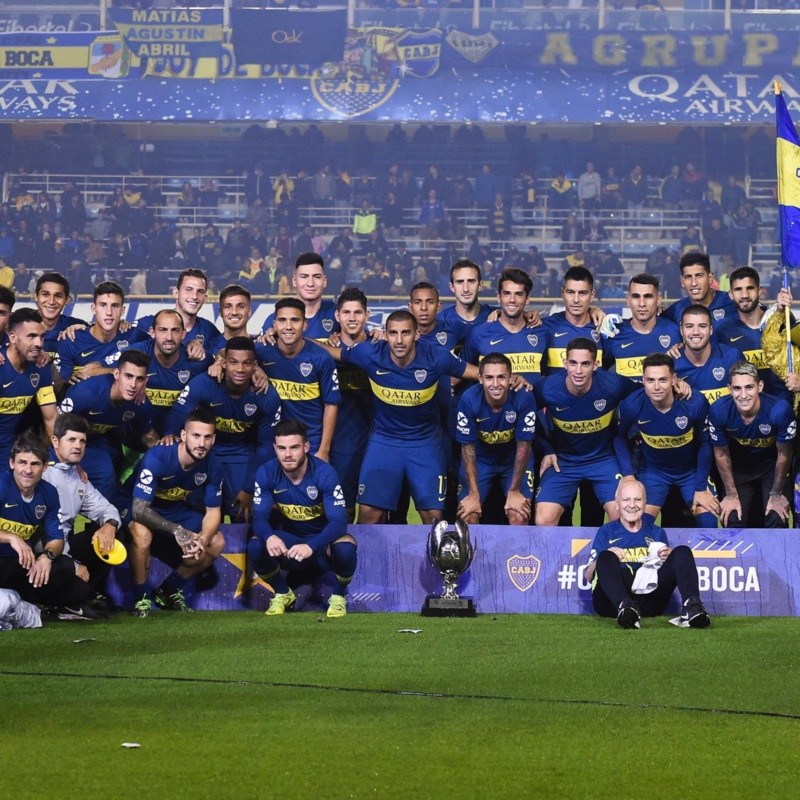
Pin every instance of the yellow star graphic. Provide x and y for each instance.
(37, 74)
(52, 40)
(239, 560)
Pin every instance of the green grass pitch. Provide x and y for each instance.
(235, 705)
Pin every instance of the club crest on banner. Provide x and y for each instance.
(473, 48)
(523, 571)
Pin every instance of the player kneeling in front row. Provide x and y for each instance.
(171, 480)
(305, 492)
(634, 571)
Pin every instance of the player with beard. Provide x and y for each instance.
(164, 523)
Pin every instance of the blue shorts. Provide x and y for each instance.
(164, 547)
(319, 559)
(658, 484)
(348, 468)
(102, 468)
(487, 473)
(561, 487)
(387, 464)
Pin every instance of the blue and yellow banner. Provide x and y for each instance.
(173, 32)
(788, 157)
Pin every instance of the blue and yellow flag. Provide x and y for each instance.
(788, 153)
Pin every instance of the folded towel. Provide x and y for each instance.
(646, 578)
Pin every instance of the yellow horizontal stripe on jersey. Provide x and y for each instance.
(757, 358)
(667, 442)
(232, 425)
(403, 397)
(45, 396)
(763, 444)
(163, 397)
(556, 356)
(635, 555)
(175, 494)
(14, 405)
(300, 513)
(525, 362)
(630, 367)
(712, 395)
(496, 437)
(292, 390)
(17, 528)
(584, 425)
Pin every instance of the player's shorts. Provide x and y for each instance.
(489, 473)
(658, 484)
(319, 559)
(348, 468)
(100, 465)
(387, 463)
(234, 475)
(561, 487)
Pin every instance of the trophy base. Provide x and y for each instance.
(448, 607)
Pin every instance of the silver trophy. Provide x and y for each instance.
(451, 552)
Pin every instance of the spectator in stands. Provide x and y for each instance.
(594, 233)
(94, 253)
(376, 279)
(258, 215)
(634, 192)
(73, 215)
(561, 196)
(690, 240)
(45, 210)
(431, 218)
(575, 259)
(693, 187)
(209, 241)
(671, 189)
(256, 184)
(341, 246)
(187, 199)
(153, 195)
(377, 245)
(611, 195)
(365, 221)
(193, 248)
(460, 194)
(282, 242)
(343, 194)
(210, 197)
(6, 275)
(718, 244)
(589, 188)
(434, 180)
(304, 241)
(320, 244)
(744, 231)
(535, 260)
(406, 191)
(282, 187)
(499, 219)
(118, 254)
(44, 246)
(116, 215)
(159, 244)
(323, 187)
(391, 215)
(399, 286)
(571, 233)
(138, 284)
(24, 242)
(733, 195)
(709, 209)
(363, 190)
(237, 242)
(486, 187)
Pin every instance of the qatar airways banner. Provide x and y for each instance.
(517, 571)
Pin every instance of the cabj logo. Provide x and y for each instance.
(352, 95)
(523, 571)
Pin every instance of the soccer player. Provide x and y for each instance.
(81, 358)
(21, 380)
(674, 446)
(29, 512)
(244, 421)
(580, 406)
(304, 376)
(465, 281)
(752, 434)
(695, 269)
(164, 522)
(109, 404)
(235, 308)
(424, 304)
(644, 333)
(576, 320)
(619, 549)
(355, 409)
(406, 441)
(703, 363)
(509, 334)
(495, 428)
(77, 496)
(743, 330)
(7, 300)
(303, 492)
(51, 296)
(190, 295)
(309, 281)
(170, 367)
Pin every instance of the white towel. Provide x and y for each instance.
(17, 613)
(646, 578)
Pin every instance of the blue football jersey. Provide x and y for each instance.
(202, 331)
(721, 307)
(634, 545)
(712, 377)
(86, 349)
(561, 332)
(318, 327)
(525, 349)
(28, 518)
(625, 352)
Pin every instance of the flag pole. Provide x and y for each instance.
(786, 284)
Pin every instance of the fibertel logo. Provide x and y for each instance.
(523, 571)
